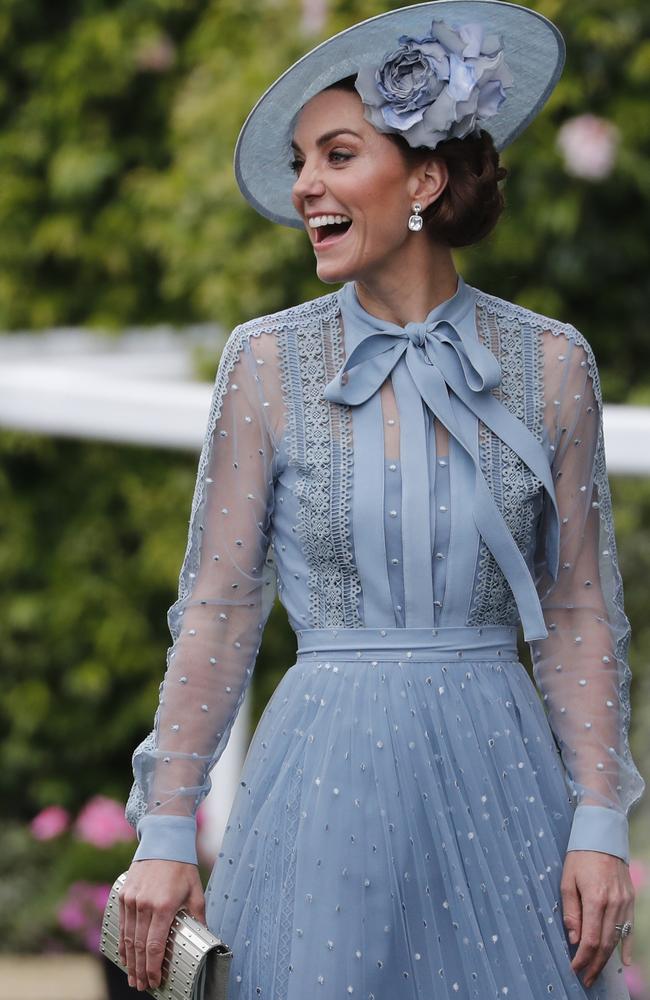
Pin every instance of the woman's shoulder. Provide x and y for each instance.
(513, 311)
(511, 315)
(291, 318)
(572, 347)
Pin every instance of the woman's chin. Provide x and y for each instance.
(331, 272)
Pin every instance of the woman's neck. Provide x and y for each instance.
(407, 294)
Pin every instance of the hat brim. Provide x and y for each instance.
(534, 51)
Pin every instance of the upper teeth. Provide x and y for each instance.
(327, 220)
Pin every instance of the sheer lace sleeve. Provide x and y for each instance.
(581, 668)
(226, 591)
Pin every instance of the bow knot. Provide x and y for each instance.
(416, 332)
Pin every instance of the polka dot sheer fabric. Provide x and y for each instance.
(582, 668)
(226, 591)
(410, 793)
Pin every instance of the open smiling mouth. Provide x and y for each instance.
(329, 229)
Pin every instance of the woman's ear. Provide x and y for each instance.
(428, 181)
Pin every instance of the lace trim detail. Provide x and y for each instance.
(510, 333)
(288, 887)
(311, 352)
(136, 806)
(341, 425)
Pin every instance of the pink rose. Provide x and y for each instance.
(50, 822)
(82, 910)
(589, 145)
(71, 914)
(100, 894)
(102, 823)
(92, 938)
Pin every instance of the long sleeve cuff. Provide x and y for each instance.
(596, 828)
(167, 838)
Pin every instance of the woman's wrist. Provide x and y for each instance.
(167, 838)
(598, 828)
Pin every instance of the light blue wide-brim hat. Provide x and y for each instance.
(534, 51)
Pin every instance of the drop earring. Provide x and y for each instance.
(416, 220)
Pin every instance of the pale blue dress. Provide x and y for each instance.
(409, 793)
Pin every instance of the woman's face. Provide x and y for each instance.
(345, 169)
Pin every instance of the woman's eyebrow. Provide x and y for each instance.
(327, 136)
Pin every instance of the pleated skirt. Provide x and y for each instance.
(400, 828)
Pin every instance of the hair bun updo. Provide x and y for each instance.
(471, 203)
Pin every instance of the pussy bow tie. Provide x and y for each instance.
(453, 373)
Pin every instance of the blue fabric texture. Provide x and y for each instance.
(414, 496)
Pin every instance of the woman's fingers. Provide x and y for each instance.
(144, 913)
(614, 914)
(600, 937)
(571, 909)
(626, 943)
(597, 894)
(128, 933)
(159, 927)
(153, 893)
(196, 904)
(120, 942)
(585, 958)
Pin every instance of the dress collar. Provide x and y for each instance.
(455, 310)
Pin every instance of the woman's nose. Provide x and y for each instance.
(308, 183)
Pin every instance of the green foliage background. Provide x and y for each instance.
(118, 205)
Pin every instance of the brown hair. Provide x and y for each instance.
(471, 202)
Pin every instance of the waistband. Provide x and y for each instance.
(471, 642)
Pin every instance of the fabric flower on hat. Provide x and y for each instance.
(438, 87)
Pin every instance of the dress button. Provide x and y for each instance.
(391, 421)
(392, 466)
(439, 555)
(394, 561)
(442, 461)
(442, 507)
(438, 604)
(393, 513)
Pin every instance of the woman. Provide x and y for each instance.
(422, 466)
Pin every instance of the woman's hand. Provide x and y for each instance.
(597, 893)
(151, 896)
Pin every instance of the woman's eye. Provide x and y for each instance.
(335, 156)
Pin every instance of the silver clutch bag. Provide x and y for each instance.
(196, 965)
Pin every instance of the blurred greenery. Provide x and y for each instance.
(92, 538)
(118, 205)
(118, 202)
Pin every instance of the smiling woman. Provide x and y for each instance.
(345, 168)
(419, 467)
(368, 175)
